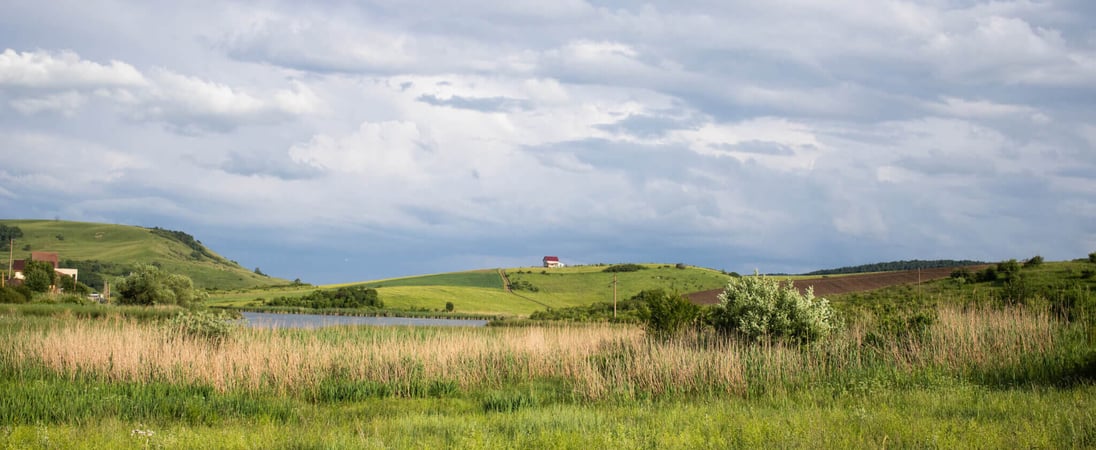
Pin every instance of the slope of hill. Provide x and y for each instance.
(892, 266)
(106, 251)
(824, 286)
(534, 288)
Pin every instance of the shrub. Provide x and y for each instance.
(962, 275)
(343, 297)
(1015, 291)
(11, 295)
(1035, 261)
(1092, 257)
(148, 285)
(1008, 269)
(449, 306)
(986, 275)
(760, 307)
(623, 268)
(666, 315)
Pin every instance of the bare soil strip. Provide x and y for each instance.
(832, 285)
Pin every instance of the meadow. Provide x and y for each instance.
(985, 377)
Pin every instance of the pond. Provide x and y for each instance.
(270, 320)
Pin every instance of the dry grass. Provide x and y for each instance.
(594, 361)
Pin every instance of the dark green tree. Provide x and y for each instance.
(38, 276)
(7, 234)
(71, 286)
(666, 315)
(148, 285)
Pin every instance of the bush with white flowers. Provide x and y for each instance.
(761, 307)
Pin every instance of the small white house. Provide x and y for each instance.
(552, 261)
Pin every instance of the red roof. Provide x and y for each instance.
(551, 258)
(51, 257)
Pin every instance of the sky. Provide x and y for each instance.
(337, 141)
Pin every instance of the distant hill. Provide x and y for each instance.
(105, 252)
(893, 266)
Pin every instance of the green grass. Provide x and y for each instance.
(481, 291)
(128, 245)
(488, 279)
(579, 286)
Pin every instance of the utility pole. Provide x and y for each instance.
(614, 295)
(11, 254)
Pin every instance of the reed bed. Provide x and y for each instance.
(591, 362)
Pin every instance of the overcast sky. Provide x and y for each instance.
(342, 141)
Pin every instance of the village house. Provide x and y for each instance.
(552, 261)
(18, 266)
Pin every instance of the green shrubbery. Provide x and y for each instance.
(624, 268)
(148, 286)
(761, 307)
(665, 315)
(344, 297)
(14, 295)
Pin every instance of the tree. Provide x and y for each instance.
(1092, 257)
(1035, 261)
(38, 276)
(148, 285)
(71, 286)
(666, 315)
(7, 234)
(761, 307)
(449, 306)
(1008, 269)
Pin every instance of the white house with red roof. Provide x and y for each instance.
(552, 261)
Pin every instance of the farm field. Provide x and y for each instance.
(846, 283)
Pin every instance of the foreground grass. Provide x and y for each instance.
(997, 378)
(954, 416)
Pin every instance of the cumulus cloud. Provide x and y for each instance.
(724, 134)
(63, 70)
(41, 81)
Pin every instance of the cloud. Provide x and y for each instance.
(488, 104)
(63, 70)
(65, 103)
(732, 134)
(64, 83)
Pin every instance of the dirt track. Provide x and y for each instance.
(831, 285)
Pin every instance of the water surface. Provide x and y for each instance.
(270, 320)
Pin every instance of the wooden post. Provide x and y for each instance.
(614, 295)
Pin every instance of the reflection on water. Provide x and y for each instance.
(268, 320)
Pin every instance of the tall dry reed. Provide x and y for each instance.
(594, 361)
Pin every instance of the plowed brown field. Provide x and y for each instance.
(831, 285)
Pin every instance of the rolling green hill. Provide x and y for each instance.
(483, 292)
(106, 251)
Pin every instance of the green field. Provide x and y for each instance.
(481, 291)
(578, 286)
(125, 246)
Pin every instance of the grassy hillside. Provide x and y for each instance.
(577, 286)
(482, 291)
(113, 249)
